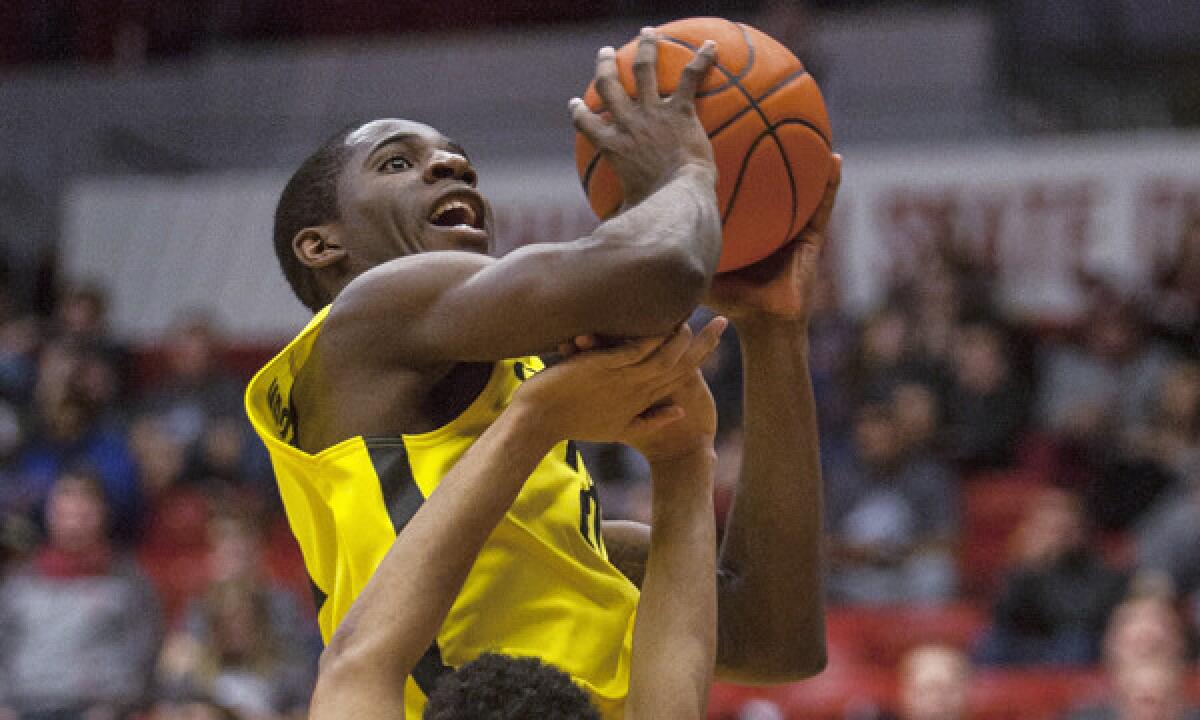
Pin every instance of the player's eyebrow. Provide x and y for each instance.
(403, 137)
(408, 138)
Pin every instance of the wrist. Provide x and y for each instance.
(757, 326)
(702, 171)
(525, 427)
(701, 456)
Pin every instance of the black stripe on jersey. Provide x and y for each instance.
(402, 498)
(573, 455)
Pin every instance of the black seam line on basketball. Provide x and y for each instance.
(591, 167)
(787, 165)
(402, 498)
(750, 152)
(732, 78)
(762, 98)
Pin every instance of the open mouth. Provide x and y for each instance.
(462, 211)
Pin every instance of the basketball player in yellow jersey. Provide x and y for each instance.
(420, 339)
(600, 395)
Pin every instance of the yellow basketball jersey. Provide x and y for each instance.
(542, 585)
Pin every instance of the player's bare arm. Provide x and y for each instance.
(602, 395)
(771, 624)
(639, 273)
(675, 637)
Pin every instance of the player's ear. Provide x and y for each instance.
(318, 247)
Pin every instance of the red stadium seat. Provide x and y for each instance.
(174, 548)
(1032, 694)
(880, 637)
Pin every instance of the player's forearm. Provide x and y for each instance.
(772, 612)
(411, 592)
(659, 255)
(674, 641)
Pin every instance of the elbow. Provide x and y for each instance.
(777, 663)
(811, 663)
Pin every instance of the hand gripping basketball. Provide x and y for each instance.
(766, 121)
(651, 138)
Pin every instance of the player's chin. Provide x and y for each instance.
(464, 238)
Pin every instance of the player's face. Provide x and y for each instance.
(406, 189)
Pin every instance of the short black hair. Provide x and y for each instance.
(309, 199)
(501, 687)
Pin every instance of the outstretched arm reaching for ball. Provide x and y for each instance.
(639, 273)
(771, 624)
(601, 395)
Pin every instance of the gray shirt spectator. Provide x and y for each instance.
(891, 517)
(79, 625)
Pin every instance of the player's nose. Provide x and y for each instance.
(446, 165)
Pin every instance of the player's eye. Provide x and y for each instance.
(397, 163)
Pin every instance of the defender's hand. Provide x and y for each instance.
(650, 138)
(780, 286)
(604, 395)
(692, 433)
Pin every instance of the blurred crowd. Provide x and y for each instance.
(146, 566)
(147, 570)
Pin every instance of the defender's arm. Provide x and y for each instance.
(675, 638)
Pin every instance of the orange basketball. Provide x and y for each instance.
(767, 122)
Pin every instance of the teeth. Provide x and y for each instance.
(449, 205)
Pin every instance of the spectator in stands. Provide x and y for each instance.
(933, 683)
(1174, 303)
(917, 409)
(987, 406)
(82, 313)
(1146, 626)
(1170, 435)
(173, 544)
(232, 466)
(195, 389)
(20, 340)
(1145, 660)
(237, 556)
(81, 317)
(79, 624)
(1168, 534)
(892, 519)
(1169, 538)
(241, 662)
(1105, 385)
(884, 354)
(71, 430)
(832, 337)
(1151, 691)
(1056, 598)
